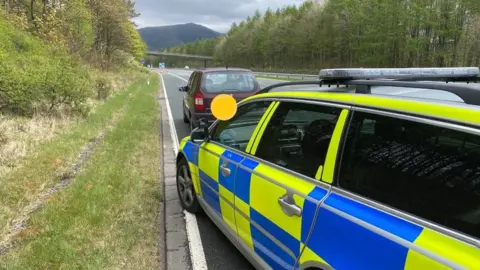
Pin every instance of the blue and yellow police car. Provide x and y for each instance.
(375, 169)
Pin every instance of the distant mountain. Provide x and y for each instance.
(159, 37)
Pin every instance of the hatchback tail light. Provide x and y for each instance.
(199, 106)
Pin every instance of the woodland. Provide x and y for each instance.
(349, 33)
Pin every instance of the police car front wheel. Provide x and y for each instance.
(185, 189)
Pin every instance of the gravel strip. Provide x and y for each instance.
(176, 250)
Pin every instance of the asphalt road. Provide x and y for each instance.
(219, 252)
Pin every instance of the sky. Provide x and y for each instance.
(215, 14)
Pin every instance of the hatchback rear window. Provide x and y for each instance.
(229, 81)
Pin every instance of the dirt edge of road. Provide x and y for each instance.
(176, 248)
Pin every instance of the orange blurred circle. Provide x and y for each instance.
(224, 107)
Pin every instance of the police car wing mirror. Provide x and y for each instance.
(203, 124)
(206, 133)
(223, 108)
(198, 135)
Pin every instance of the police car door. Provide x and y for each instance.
(218, 159)
(277, 189)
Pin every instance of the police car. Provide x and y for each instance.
(370, 171)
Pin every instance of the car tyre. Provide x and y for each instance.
(185, 118)
(186, 192)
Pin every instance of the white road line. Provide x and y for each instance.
(177, 76)
(197, 256)
(173, 130)
(260, 82)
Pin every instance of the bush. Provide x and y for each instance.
(65, 85)
(35, 77)
(18, 87)
(46, 77)
(41, 84)
(103, 87)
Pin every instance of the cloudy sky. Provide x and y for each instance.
(215, 14)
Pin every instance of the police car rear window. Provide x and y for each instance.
(428, 171)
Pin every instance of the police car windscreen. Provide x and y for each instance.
(229, 81)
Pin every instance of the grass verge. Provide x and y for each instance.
(20, 136)
(52, 159)
(107, 218)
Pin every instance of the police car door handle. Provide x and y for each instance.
(288, 206)
(225, 170)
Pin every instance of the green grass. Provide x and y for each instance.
(278, 78)
(44, 167)
(107, 218)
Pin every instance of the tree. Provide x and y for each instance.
(50, 47)
(352, 33)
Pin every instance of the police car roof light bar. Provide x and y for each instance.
(447, 74)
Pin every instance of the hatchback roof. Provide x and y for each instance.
(224, 69)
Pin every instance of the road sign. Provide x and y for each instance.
(143, 61)
(161, 65)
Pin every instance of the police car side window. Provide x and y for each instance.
(237, 131)
(297, 136)
(425, 170)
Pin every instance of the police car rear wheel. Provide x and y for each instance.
(185, 189)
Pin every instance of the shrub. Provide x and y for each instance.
(103, 87)
(18, 87)
(65, 84)
(35, 77)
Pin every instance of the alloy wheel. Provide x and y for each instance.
(185, 186)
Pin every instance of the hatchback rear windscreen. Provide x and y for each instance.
(230, 81)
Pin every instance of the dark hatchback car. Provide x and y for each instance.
(206, 84)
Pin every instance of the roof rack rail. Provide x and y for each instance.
(468, 95)
(277, 85)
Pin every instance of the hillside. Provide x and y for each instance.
(160, 37)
